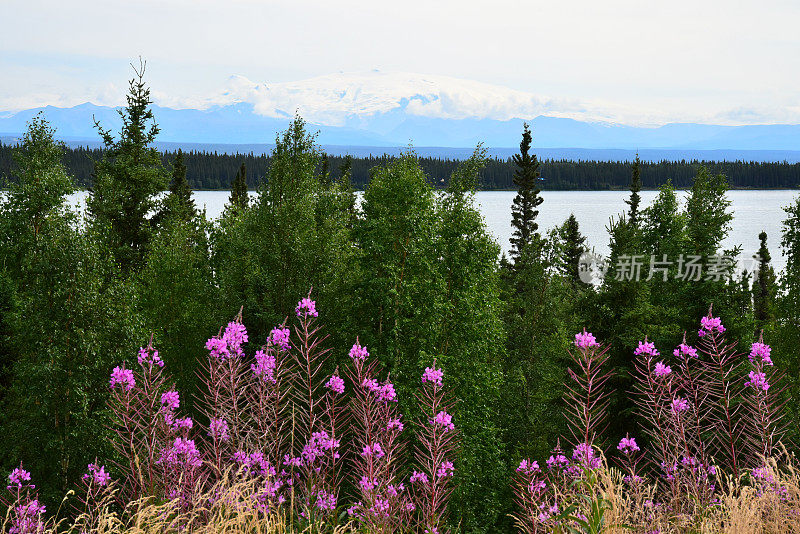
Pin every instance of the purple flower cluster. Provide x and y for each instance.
(758, 381)
(123, 378)
(627, 445)
(433, 375)
(646, 347)
(28, 518)
(586, 456)
(229, 345)
(279, 337)
(357, 352)
(710, 325)
(18, 478)
(149, 356)
(97, 474)
(444, 420)
(373, 449)
(218, 429)
(585, 340)
(182, 452)
(170, 400)
(418, 476)
(679, 405)
(383, 393)
(335, 384)
(685, 351)
(254, 464)
(661, 370)
(306, 307)
(528, 467)
(265, 366)
(395, 424)
(759, 350)
(446, 469)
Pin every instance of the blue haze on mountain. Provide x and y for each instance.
(238, 128)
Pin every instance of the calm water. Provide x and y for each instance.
(754, 211)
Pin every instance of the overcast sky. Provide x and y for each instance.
(712, 60)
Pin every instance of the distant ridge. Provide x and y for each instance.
(572, 154)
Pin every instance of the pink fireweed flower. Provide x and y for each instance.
(18, 477)
(662, 370)
(122, 377)
(98, 475)
(679, 405)
(762, 351)
(279, 337)
(684, 351)
(585, 340)
(367, 484)
(373, 449)
(433, 375)
(528, 467)
(265, 366)
(150, 357)
(646, 347)
(371, 384)
(306, 306)
(182, 452)
(709, 325)
(628, 445)
(386, 392)
(357, 352)
(586, 456)
(757, 381)
(557, 461)
(326, 501)
(170, 400)
(446, 469)
(218, 429)
(336, 384)
(443, 419)
(235, 334)
(395, 424)
(183, 423)
(28, 518)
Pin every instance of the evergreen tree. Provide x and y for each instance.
(239, 199)
(128, 179)
(764, 286)
(635, 187)
(524, 209)
(179, 202)
(573, 247)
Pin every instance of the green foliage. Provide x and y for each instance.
(128, 178)
(292, 237)
(524, 209)
(179, 203)
(178, 298)
(764, 287)
(240, 198)
(573, 246)
(635, 187)
(68, 325)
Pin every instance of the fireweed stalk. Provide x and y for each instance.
(383, 501)
(25, 512)
(437, 443)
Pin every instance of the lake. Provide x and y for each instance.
(754, 211)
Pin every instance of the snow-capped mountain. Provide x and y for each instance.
(397, 109)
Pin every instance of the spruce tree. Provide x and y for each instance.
(128, 179)
(635, 187)
(523, 210)
(239, 199)
(179, 202)
(764, 286)
(574, 245)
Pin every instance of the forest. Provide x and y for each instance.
(209, 171)
(308, 363)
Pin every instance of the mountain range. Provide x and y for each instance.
(397, 110)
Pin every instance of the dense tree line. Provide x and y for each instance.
(412, 271)
(212, 170)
